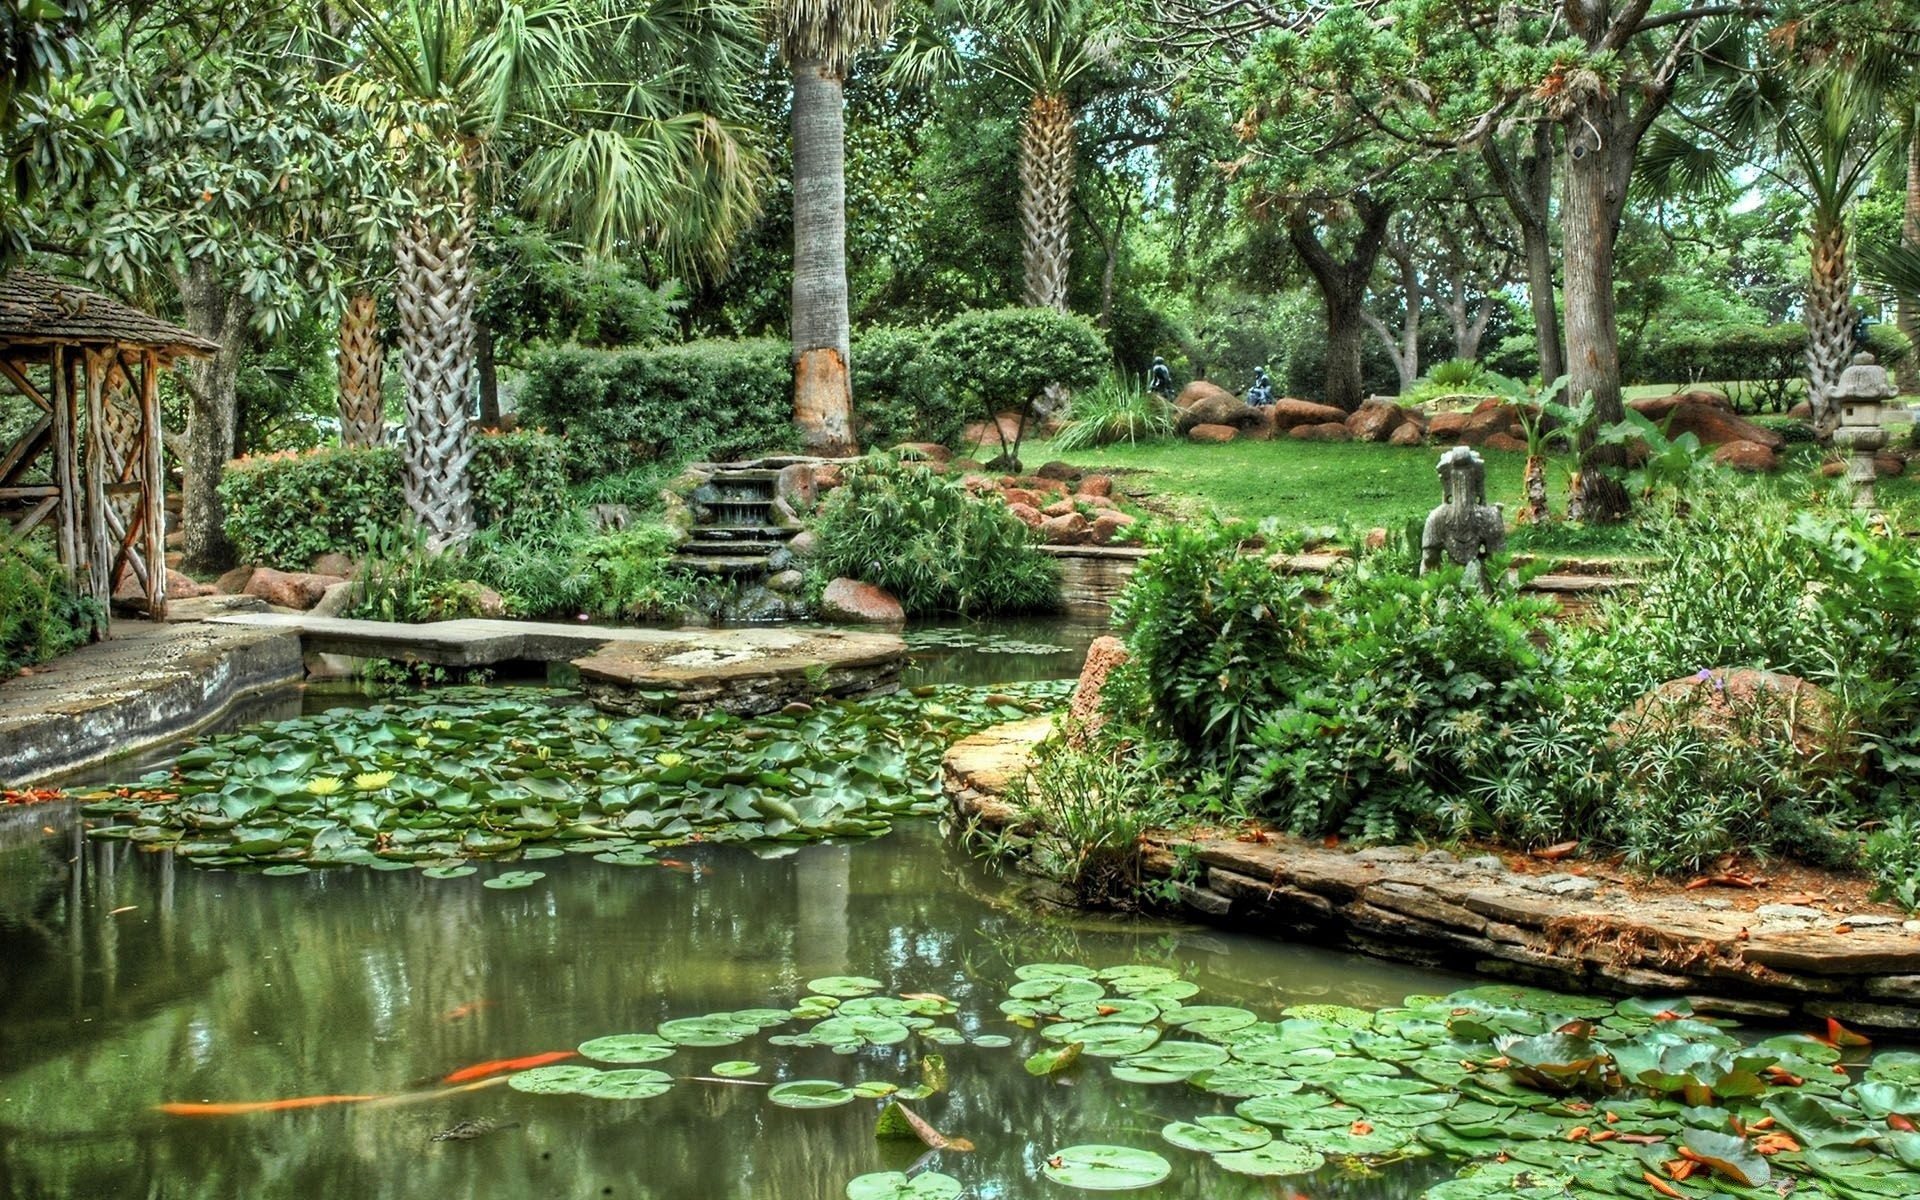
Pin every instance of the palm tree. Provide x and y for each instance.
(470, 92)
(362, 370)
(1045, 48)
(819, 38)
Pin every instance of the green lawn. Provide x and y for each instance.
(1356, 487)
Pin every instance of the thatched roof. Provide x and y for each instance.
(37, 309)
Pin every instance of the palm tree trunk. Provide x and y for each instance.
(1908, 313)
(1046, 199)
(822, 388)
(213, 414)
(1830, 316)
(362, 368)
(434, 292)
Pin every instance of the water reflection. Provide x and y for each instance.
(215, 986)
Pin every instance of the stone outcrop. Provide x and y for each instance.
(743, 671)
(1200, 390)
(1723, 701)
(1375, 420)
(1331, 431)
(1288, 412)
(1083, 715)
(299, 590)
(1218, 410)
(1212, 434)
(851, 600)
(1707, 416)
(1750, 457)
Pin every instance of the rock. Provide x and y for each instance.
(1802, 411)
(1448, 426)
(1788, 912)
(1406, 434)
(234, 582)
(176, 558)
(1014, 495)
(786, 582)
(1833, 468)
(1332, 431)
(179, 587)
(1888, 465)
(794, 484)
(1376, 539)
(1731, 701)
(780, 559)
(1058, 471)
(826, 477)
(1438, 856)
(1217, 410)
(930, 451)
(1083, 715)
(988, 434)
(1028, 514)
(1200, 390)
(1059, 508)
(804, 544)
(177, 540)
(1290, 413)
(1107, 525)
(1260, 429)
(1747, 456)
(1212, 435)
(967, 465)
(333, 563)
(1490, 420)
(290, 589)
(1707, 416)
(1100, 486)
(1035, 484)
(1576, 887)
(336, 600)
(1067, 530)
(205, 608)
(1375, 420)
(1486, 864)
(850, 600)
(1506, 442)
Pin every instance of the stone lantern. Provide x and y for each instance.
(1861, 399)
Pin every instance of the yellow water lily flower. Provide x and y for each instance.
(372, 781)
(326, 785)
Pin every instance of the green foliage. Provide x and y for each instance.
(1459, 374)
(41, 617)
(1118, 410)
(1007, 356)
(1415, 685)
(519, 482)
(1088, 810)
(285, 509)
(567, 572)
(930, 542)
(402, 580)
(1217, 637)
(1893, 859)
(717, 399)
(904, 388)
(629, 576)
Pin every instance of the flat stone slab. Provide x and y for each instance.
(147, 684)
(744, 671)
(1555, 930)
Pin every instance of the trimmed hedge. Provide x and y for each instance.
(619, 408)
(903, 388)
(1754, 354)
(286, 509)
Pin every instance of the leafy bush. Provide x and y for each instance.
(569, 572)
(1088, 810)
(1007, 357)
(1419, 683)
(1118, 410)
(1457, 373)
(519, 482)
(903, 388)
(1768, 360)
(629, 575)
(402, 580)
(1217, 638)
(41, 617)
(1893, 859)
(617, 408)
(934, 545)
(283, 510)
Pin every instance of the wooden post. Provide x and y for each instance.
(153, 493)
(100, 545)
(65, 454)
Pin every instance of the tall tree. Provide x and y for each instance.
(595, 116)
(819, 39)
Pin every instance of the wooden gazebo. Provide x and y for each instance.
(90, 461)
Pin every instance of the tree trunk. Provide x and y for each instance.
(1908, 312)
(434, 292)
(362, 369)
(1343, 292)
(1528, 189)
(1403, 347)
(213, 415)
(1596, 189)
(1830, 317)
(822, 386)
(489, 374)
(1046, 199)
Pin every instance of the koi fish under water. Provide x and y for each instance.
(193, 1109)
(463, 1011)
(496, 1066)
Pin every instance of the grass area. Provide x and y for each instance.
(1351, 487)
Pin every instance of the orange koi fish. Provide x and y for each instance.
(495, 1067)
(465, 1010)
(193, 1109)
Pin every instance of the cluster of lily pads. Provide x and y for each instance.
(979, 641)
(1524, 1093)
(437, 780)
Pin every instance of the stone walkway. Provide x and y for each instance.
(1556, 930)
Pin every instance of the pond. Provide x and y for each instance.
(404, 1006)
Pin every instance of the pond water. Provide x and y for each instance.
(130, 981)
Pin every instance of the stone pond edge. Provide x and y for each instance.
(1434, 911)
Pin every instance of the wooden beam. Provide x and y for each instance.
(100, 546)
(153, 474)
(66, 453)
(32, 518)
(19, 380)
(32, 492)
(32, 445)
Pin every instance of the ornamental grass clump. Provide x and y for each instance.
(937, 547)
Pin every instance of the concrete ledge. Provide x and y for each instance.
(1554, 930)
(147, 685)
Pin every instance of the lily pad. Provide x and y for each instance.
(810, 1093)
(452, 872)
(894, 1185)
(626, 1085)
(720, 1029)
(734, 1069)
(1271, 1158)
(508, 880)
(1097, 1168)
(628, 1048)
(1216, 1133)
(845, 986)
(551, 1081)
